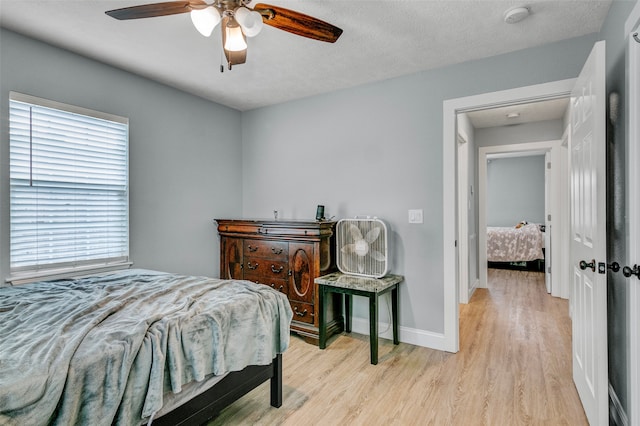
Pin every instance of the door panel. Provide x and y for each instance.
(588, 229)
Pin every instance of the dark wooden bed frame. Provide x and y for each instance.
(232, 387)
(531, 265)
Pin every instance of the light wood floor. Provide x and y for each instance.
(513, 368)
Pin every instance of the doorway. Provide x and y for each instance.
(555, 189)
(451, 109)
(588, 236)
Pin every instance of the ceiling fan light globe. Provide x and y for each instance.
(234, 40)
(250, 21)
(205, 20)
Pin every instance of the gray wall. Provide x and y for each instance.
(515, 190)
(377, 149)
(185, 166)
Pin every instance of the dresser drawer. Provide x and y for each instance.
(275, 250)
(259, 269)
(276, 284)
(302, 312)
(239, 227)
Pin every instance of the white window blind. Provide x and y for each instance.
(68, 187)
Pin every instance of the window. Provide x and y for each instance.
(68, 188)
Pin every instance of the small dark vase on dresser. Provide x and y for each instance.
(286, 255)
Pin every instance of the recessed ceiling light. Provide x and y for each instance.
(513, 115)
(516, 14)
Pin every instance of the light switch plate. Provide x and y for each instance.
(415, 216)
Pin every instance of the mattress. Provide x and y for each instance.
(511, 244)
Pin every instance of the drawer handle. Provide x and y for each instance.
(251, 248)
(279, 288)
(276, 270)
(276, 250)
(300, 314)
(252, 267)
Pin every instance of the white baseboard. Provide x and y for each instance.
(409, 335)
(616, 412)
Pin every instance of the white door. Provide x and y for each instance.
(588, 237)
(547, 220)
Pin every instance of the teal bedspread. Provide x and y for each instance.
(103, 350)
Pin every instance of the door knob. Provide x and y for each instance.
(584, 265)
(627, 271)
(602, 267)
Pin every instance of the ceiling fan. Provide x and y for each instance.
(238, 21)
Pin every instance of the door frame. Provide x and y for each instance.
(451, 108)
(633, 204)
(466, 287)
(518, 149)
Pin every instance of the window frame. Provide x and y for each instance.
(22, 274)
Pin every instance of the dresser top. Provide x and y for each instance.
(278, 222)
(285, 228)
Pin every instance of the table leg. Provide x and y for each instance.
(348, 304)
(322, 315)
(394, 313)
(373, 327)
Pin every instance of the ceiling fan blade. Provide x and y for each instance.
(298, 23)
(156, 9)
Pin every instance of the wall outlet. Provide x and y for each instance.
(415, 216)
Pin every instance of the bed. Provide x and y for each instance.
(137, 346)
(516, 246)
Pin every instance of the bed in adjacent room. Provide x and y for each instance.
(136, 345)
(520, 246)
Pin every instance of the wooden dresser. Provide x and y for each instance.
(286, 255)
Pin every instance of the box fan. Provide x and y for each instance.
(362, 247)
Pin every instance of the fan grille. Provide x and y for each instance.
(362, 247)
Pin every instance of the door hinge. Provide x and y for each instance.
(548, 166)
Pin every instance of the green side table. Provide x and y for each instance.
(351, 285)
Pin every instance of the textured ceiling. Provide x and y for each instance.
(382, 39)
